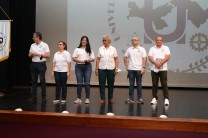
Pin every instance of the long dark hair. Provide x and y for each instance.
(88, 48)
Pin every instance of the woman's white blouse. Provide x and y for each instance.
(61, 60)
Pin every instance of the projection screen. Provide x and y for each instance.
(182, 23)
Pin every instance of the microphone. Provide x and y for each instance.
(41, 57)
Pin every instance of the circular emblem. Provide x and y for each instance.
(2, 41)
(199, 42)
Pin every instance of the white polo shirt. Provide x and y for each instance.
(61, 60)
(107, 57)
(159, 54)
(135, 56)
(81, 54)
(41, 48)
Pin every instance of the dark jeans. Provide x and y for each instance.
(162, 75)
(104, 74)
(83, 72)
(36, 69)
(135, 75)
(61, 80)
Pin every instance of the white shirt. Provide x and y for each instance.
(81, 54)
(159, 54)
(107, 57)
(41, 48)
(135, 56)
(61, 60)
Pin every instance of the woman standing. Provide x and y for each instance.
(83, 56)
(61, 71)
(106, 68)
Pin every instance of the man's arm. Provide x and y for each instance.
(167, 57)
(126, 62)
(159, 64)
(144, 62)
(46, 55)
(30, 55)
(152, 60)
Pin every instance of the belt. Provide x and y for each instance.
(39, 62)
(87, 63)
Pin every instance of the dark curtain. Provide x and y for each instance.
(15, 70)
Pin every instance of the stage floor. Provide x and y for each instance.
(184, 103)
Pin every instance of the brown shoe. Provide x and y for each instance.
(111, 102)
(102, 102)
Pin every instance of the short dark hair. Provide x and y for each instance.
(158, 36)
(38, 34)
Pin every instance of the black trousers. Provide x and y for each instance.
(38, 69)
(162, 76)
(61, 85)
(103, 75)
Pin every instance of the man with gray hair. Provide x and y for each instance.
(106, 68)
(135, 61)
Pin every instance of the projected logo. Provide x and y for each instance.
(2, 41)
(182, 23)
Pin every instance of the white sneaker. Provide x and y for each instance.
(87, 101)
(78, 101)
(129, 101)
(166, 102)
(140, 101)
(63, 101)
(56, 101)
(154, 101)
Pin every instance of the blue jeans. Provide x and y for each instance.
(61, 79)
(135, 74)
(38, 69)
(83, 73)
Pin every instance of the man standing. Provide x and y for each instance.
(39, 51)
(137, 57)
(159, 55)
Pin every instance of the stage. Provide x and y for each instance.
(187, 115)
(184, 103)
